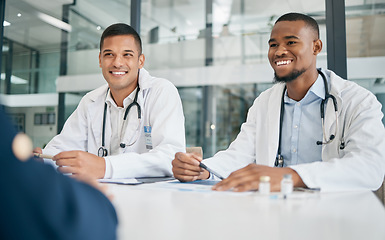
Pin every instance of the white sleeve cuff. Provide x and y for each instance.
(50, 162)
(108, 173)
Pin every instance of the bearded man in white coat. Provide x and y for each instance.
(130, 127)
(324, 131)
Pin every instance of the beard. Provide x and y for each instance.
(292, 76)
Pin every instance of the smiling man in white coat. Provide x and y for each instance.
(130, 127)
(324, 131)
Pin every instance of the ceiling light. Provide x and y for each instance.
(14, 79)
(6, 24)
(54, 22)
(19, 14)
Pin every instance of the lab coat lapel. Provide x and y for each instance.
(330, 119)
(274, 109)
(330, 116)
(96, 112)
(330, 150)
(145, 85)
(133, 125)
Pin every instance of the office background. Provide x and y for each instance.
(214, 51)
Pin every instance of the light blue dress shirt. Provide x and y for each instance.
(302, 127)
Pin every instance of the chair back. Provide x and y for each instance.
(196, 150)
(381, 193)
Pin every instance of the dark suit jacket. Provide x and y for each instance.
(36, 202)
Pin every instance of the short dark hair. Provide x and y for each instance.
(121, 29)
(309, 21)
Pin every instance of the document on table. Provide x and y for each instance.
(199, 186)
(128, 181)
(135, 181)
(205, 186)
(196, 186)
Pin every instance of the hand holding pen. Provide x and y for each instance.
(38, 155)
(41, 155)
(202, 165)
(186, 167)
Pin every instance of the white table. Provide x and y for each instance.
(149, 212)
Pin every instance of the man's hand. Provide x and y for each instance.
(247, 178)
(40, 151)
(80, 163)
(185, 167)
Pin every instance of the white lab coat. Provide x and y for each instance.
(161, 109)
(361, 165)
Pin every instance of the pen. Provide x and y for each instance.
(40, 155)
(311, 190)
(210, 170)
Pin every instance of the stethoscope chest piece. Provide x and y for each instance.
(102, 152)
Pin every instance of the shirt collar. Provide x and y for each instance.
(317, 90)
(318, 87)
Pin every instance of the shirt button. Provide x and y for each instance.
(298, 104)
(294, 150)
(295, 126)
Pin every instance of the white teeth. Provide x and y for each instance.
(279, 63)
(119, 73)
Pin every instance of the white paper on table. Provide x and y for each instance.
(129, 181)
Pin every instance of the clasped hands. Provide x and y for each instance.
(186, 168)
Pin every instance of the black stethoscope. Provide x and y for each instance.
(102, 151)
(279, 159)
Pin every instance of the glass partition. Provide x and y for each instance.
(365, 32)
(36, 49)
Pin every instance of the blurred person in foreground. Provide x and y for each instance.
(39, 203)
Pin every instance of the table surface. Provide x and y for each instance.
(158, 211)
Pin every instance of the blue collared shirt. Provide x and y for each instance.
(302, 127)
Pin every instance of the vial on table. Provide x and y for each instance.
(286, 185)
(264, 185)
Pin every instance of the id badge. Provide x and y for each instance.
(147, 136)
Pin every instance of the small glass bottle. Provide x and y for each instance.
(286, 185)
(264, 185)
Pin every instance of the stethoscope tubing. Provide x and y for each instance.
(102, 151)
(279, 159)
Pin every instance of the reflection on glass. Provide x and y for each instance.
(192, 108)
(231, 106)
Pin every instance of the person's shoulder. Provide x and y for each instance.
(273, 92)
(93, 95)
(155, 83)
(351, 93)
(346, 87)
(162, 83)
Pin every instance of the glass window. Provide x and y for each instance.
(365, 20)
(241, 28)
(174, 38)
(31, 47)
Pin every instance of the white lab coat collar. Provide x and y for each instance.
(144, 79)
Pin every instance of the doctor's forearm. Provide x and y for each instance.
(297, 180)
